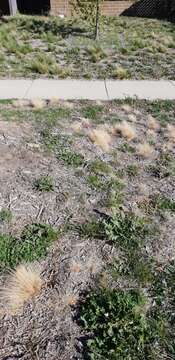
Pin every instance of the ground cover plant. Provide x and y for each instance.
(87, 230)
(60, 48)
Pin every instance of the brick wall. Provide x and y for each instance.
(108, 7)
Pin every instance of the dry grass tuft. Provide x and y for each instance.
(171, 132)
(76, 126)
(75, 267)
(71, 300)
(54, 101)
(101, 138)
(68, 104)
(23, 284)
(143, 189)
(86, 123)
(125, 130)
(151, 133)
(127, 108)
(20, 103)
(152, 123)
(132, 118)
(37, 103)
(145, 150)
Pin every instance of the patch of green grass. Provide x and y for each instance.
(164, 203)
(95, 182)
(5, 215)
(99, 167)
(59, 145)
(96, 53)
(127, 148)
(70, 158)
(44, 183)
(32, 245)
(54, 47)
(119, 326)
(163, 167)
(92, 230)
(132, 170)
(158, 202)
(92, 111)
(126, 230)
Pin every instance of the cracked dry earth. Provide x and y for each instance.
(46, 328)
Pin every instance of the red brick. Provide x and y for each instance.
(108, 7)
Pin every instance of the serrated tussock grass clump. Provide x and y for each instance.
(101, 138)
(22, 284)
(125, 130)
(145, 150)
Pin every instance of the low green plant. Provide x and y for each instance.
(5, 215)
(70, 158)
(132, 170)
(92, 111)
(126, 230)
(118, 325)
(44, 183)
(96, 53)
(95, 182)
(99, 167)
(127, 148)
(32, 245)
(92, 229)
(163, 203)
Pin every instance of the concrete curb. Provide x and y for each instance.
(87, 89)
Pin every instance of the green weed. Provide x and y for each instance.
(92, 230)
(32, 245)
(132, 170)
(44, 183)
(5, 215)
(99, 167)
(70, 158)
(118, 325)
(92, 111)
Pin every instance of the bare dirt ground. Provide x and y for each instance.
(40, 142)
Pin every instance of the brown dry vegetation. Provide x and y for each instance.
(89, 182)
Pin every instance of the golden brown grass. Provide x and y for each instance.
(132, 118)
(145, 150)
(152, 123)
(75, 267)
(127, 108)
(125, 130)
(71, 300)
(101, 138)
(20, 103)
(54, 101)
(37, 103)
(171, 132)
(23, 284)
(76, 126)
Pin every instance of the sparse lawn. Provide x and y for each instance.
(96, 214)
(51, 47)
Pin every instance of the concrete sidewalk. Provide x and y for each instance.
(87, 89)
